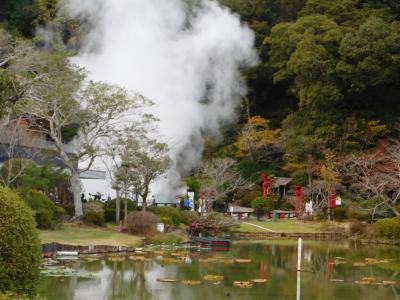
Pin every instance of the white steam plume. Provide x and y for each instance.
(183, 55)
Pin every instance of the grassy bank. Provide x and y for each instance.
(85, 235)
(283, 225)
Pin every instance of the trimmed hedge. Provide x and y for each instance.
(95, 218)
(141, 222)
(388, 228)
(93, 213)
(174, 214)
(93, 206)
(19, 245)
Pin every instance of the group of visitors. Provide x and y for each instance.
(96, 197)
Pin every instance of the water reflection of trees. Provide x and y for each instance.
(127, 280)
(277, 261)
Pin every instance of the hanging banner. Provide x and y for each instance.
(332, 200)
(338, 201)
(191, 199)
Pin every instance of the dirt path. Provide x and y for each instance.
(258, 226)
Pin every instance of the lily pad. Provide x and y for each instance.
(359, 264)
(242, 260)
(213, 278)
(116, 258)
(191, 282)
(166, 280)
(259, 280)
(243, 284)
(136, 257)
(66, 272)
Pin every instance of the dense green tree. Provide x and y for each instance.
(266, 98)
(19, 14)
(19, 245)
(338, 64)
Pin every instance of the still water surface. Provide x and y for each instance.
(329, 273)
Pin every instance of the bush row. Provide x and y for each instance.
(388, 228)
(98, 213)
(174, 216)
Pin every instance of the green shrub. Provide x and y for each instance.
(247, 194)
(47, 214)
(171, 212)
(354, 213)
(93, 217)
(339, 213)
(388, 228)
(141, 222)
(20, 252)
(188, 217)
(163, 238)
(44, 218)
(13, 296)
(286, 204)
(69, 209)
(60, 213)
(264, 203)
(168, 223)
(110, 215)
(93, 206)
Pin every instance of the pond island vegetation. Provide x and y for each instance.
(316, 149)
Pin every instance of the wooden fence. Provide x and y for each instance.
(52, 249)
(289, 236)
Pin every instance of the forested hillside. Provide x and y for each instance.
(325, 92)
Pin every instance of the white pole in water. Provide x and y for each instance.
(299, 248)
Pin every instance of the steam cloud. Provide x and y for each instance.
(184, 55)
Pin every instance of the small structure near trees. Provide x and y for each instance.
(239, 212)
(282, 184)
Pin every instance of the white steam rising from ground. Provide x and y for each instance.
(183, 55)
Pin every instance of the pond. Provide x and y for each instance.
(330, 270)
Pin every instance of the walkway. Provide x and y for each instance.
(258, 226)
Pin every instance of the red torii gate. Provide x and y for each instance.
(267, 185)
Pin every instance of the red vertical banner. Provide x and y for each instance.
(299, 200)
(332, 200)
